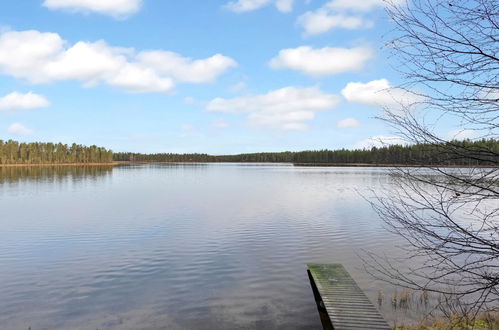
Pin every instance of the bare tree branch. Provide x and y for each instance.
(448, 52)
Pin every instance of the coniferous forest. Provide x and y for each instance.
(467, 153)
(13, 152)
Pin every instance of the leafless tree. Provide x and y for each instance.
(448, 53)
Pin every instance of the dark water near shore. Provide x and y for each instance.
(206, 246)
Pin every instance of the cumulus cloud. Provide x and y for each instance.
(190, 100)
(343, 14)
(219, 124)
(348, 123)
(284, 109)
(186, 69)
(241, 6)
(19, 129)
(462, 134)
(379, 141)
(284, 6)
(322, 61)
(45, 57)
(355, 5)
(322, 20)
(238, 87)
(116, 8)
(17, 102)
(379, 93)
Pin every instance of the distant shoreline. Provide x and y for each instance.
(62, 164)
(388, 165)
(117, 163)
(313, 164)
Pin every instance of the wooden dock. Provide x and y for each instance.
(341, 303)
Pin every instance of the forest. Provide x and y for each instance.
(470, 153)
(483, 152)
(13, 152)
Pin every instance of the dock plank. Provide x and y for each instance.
(345, 304)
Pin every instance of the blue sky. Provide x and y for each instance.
(195, 76)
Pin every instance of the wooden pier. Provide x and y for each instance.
(341, 303)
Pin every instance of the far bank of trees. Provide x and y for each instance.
(467, 153)
(13, 152)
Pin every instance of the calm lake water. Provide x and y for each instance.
(208, 246)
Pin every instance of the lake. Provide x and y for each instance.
(182, 246)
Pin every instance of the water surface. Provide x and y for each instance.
(200, 246)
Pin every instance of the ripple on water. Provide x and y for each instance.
(181, 247)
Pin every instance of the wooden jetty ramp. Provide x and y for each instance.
(341, 303)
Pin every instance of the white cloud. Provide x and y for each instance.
(356, 5)
(379, 141)
(462, 134)
(220, 124)
(321, 21)
(16, 101)
(490, 94)
(323, 61)
(136, 79)
(45, 57)
(190, 100)
(19, 129)
(343, 14)
(185, 69)
(116, 8)
(241, 6)
(284, 6)
(238, 87)
(348, 123)
(287, 108)
(379, 93)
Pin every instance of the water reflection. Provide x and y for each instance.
(52, 174)
(180, 246)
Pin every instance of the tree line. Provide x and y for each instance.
(483, 152)
(13, 152)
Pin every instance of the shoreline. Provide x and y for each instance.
(118, 163)
(62, 164)
(389, 165)
(313, 164)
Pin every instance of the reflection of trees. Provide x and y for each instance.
(52, 173)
